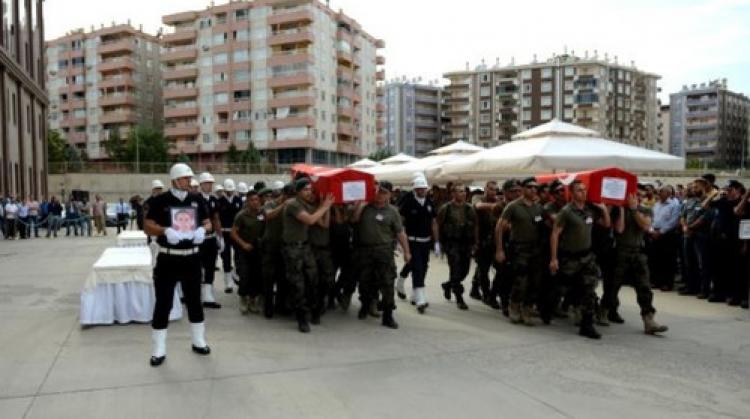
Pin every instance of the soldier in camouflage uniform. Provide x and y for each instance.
(247, 231)
(488, 211)
(377, 227)
(571, 241)
(320, 242)
(550, 289)
(458, 231)
(523, 218)
(631, 226)
(301, 269)
(272, 257)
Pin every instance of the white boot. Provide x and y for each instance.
(207, 296)
(422, 303)
(228, 282)
(198, 334)
(400, 290)
(178, 288)
(158, 347)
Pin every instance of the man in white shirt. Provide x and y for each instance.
(664, 240)
(11, 219)
(123, 212)
(23, 220)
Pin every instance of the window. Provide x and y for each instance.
(220, 77)
(485, 91)
(526, 102)
(485, 104)
(546, 100)
(570, 71)
(568, 84)
(206, 138)
(240, 56)
(485, 118)
(219, 39)
(221, 58)
(241, 75)
(527, 115)
(241, 95)
(546, 114)
(485, 78)
(546, 87)
(526, 74)
(527, 87)
(568, 113)
(221, 98)
(240, 15)
(241, 35)
(242, 135)
(568, 99)
(546, 73)
(485, 132)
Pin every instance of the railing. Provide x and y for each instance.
(162, 167)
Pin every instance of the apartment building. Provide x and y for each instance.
(709, 124)
(103, 81)
(23, 102)
(413, 123)
(662, 129)
(488, 105)
(293, 77)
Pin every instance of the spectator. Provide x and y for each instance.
(84, 211)
(664, 240)
(72, 217)
(696, 222)
(33, 205)
(726, 245)
(54, 217)
(100, 215)
(23, 219)
(11, 219)
(136, 203)
(123, 213)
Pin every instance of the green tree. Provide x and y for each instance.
(55, 147)
(143, 144)
(251, 155)
(233, 155)
(381, 154)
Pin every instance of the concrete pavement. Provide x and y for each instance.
(444, 364)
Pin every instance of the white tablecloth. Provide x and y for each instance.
(131, 238)
(120, 289)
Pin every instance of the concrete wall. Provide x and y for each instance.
(113, 186)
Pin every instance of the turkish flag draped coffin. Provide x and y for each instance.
(346, 185)
(608, 186)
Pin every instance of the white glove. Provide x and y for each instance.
(173, 237)
(437, 249)
(220, 240)
(199, 236)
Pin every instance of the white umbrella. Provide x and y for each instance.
(363, 164)
(399, 158)
(556, 146)
(459, 147)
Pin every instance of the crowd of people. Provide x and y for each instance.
(540, 249)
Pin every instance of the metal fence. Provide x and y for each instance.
(163, 167)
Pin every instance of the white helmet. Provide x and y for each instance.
(206, 177)
(156, 184)
(242, 188)
(277, 185)
(420, 183)
(194, 183)
(218, 188)
(180, 170)
(229, 185)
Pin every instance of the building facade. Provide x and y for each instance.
(709, 124)
(487, 106)
(23, 145)
(413, 123)
(293, 77)
(102, 83)
(663, 128)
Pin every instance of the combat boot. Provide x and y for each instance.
(651, 327)
(475, 293)
(491, 301)
(345, 300)
(602, 317)
(252, 305)
(400, 291)
(388, 320)
(244, 305)
(420, 300)
(374, 309)
(302, 324)
(576, 315)
(363, 310)
(228, 282)
(587, 327)
(514, 314)
(446, 290)
(315, 317)
(460, 303)
(527, 316)
(614, 317)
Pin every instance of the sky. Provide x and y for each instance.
(684, 41)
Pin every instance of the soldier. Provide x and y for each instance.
(180, 222)
(571, 235)
(377, 228)
(458, 231)
(550, 288)
(419, 215)
(247, 231)
(301, 269)
(209, 249)
(273, 259)
(320, 242)
(488, 211)
(341, 246)
(631, 226)
(229, 205)
(523, 217)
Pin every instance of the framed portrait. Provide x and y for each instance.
(184, 219)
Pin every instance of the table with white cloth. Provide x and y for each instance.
(120, 289)
(131, 238)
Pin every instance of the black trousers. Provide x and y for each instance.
(250, 271)
(169, 270)
(663, 259)
(226, 255)
(209, 250)
(420, 260)
(122, 222)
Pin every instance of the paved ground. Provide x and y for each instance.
(443, 364)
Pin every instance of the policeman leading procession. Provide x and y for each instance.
(291, 252)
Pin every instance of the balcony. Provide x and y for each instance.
(305, 142)
(71, 122)
(116, 81)
(180, 92)
(379, 107)
(379, 43)
(182, 54)
(181, 111)
(180, 37)
(348, 147)
(346, 111)
(345, 128)
(178, 18)
(291, 36)
(185, 130)
(76, 138)
(304, 99)
(119, 117)
(291, 79)
(380, 75)
(181, 73)
(293, 121)
(380, 60)
(112, 100)
(427, 99)
(280, 58)
(458, 110)
(120, 46)
(292, 15)
(72, 104)
(116, 64)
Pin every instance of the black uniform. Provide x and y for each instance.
(209, 248)
(171, 268)
(418, 220)
(228, 209)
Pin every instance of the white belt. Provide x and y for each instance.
(210, 236)
(420, 239)
(226, 230)
(179, 252)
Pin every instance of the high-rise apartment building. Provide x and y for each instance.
(663, 125)
(709, 124)
(488, 105)
(23, 145)
(413, 123)
(103, 81)
(293, 77)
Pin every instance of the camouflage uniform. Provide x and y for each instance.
(457, 235)
(301, 269)
(320, 241)
(250, 227)
(524, 252)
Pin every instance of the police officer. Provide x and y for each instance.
(157, 188)
(419, 213)
(247, 232)
(301, 269)
(377, 227)
(180, 221)
(631, 226)
(210, 247)
(488, 210)
(274, 276)
(571, 242)
(523, 217)
(458, 232)
(194, 186)
(229, 205)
